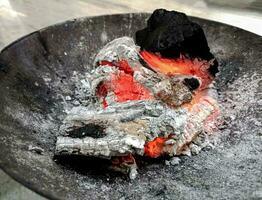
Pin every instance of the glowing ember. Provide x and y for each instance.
(126, 88)
(128, 159)
(155, 148)
(123, 85)
(159, 146)
(179, 66)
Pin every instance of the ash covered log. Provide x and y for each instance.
(132, 124)
(144, 119)
(172, 34)
(111, 145)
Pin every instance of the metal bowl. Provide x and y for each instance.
(29, 110)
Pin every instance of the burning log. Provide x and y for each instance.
(151, 100)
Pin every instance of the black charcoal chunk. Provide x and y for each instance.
(171, 33)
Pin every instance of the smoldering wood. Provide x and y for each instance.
(172, 91)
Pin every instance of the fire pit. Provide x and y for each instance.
(39, 73)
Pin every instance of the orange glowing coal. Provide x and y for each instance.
(155, 147)
(123, 85)
(179, 66)
(158, 147)
(126, 88)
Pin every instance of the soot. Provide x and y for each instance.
(192, 83)
(90, 130)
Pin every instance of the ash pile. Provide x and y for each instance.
(150, 97)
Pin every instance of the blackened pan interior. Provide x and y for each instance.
(29, 110)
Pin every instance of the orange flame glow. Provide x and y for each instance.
(181, 66)
(158, 147)
(123, 84)
(155, 147)
(126, 88)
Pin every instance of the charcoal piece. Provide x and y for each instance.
(171, 33)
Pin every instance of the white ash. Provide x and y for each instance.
(133, 173)
(118, 49)
(173, 161)
(68, 98)
(82, 92)
(36, 149)
(240, 96)
(239, 102)
(195, 149)
(201, 141)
